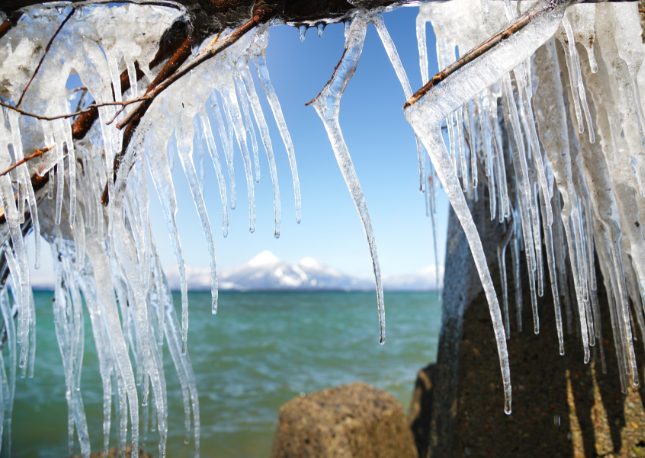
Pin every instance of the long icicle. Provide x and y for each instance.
(327, 105)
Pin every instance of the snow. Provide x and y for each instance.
(266, 258)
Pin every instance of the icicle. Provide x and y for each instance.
(575, 77)
(259, 60)
(552, 124)
(582, 17)
(14, 120)
(227, 90)
(60, 167)
(181, 361)
(422, 19)
(132, 76)
(162, 179)
(327, 105)
(226, 144)
(185, 147)
(321, 28)
(303, 30)
(551, 265)
(212, 149)
(393, 55)
(10, 384)
(201, 174)
(501, 257)
(523, 203)
(248, 125)
(266, 140)
(105, 294)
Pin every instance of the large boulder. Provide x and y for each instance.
(349, 421)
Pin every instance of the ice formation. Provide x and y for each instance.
(552, 130)
(564, 85)
(106, 256)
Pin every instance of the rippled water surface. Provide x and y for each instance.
(261, 350)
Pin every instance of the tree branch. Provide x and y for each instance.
(39, 152)
(71, 115)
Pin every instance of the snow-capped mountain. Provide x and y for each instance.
(268, 272)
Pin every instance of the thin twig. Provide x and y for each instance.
(215, 40)
(81, 98)
(115, 116)
(39, 152)
(49, 45)
(71, 115)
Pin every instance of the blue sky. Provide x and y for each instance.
(380, 141)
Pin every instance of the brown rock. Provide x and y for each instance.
(349, 421)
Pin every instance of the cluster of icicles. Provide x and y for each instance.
(106, 256)
(570, 179)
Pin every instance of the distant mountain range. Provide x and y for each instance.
(268, 272)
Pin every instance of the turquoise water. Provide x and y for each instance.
(260, 351)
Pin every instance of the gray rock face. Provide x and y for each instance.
(349, 421)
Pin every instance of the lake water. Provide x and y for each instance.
(260, 351)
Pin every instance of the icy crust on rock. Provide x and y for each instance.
(567, 89)
(106, 256)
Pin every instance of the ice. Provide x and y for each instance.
(266, 139)
(259, 59)
(227, 90)
(552, 127)
(327, 105)
(227, 145)
(185, 149)
(248, 125)
(501, 256)
(212, 149)
(427, 114)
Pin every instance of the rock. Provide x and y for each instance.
(349, 421)
(112, 453)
